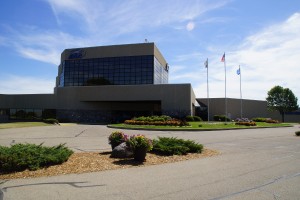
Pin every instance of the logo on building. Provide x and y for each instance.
(167, 67)
(76, 54)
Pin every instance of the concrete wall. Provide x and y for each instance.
(113, 51)
(118, 51)
(251, 109)
(175, 98)
(23, 101)
(106, 102)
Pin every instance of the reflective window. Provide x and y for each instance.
(160, 73)
(130, 70)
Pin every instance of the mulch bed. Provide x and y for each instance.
(95, 162)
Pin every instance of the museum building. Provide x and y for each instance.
(106, 84)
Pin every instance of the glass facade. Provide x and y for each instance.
(160, 72)
(127, 70)
(28, 113)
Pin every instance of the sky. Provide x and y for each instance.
(260, 36)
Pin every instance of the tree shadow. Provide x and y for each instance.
(128, 161)
(105, 153)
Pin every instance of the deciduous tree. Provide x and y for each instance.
(282, 100)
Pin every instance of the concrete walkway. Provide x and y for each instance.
(254, 164)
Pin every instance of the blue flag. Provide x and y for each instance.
(238, 71)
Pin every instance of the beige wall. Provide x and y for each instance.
(251, 109)
(118, 50)
(170, 99)
(171, 96)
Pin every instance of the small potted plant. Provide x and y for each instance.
(116, 138)
(140, 146)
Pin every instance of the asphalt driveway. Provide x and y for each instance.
(254, 164)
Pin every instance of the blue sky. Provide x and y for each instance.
(262, 36)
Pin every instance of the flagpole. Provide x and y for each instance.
(241, 91)
(207, 91)
(225, 90)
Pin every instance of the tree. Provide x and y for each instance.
(282, 100)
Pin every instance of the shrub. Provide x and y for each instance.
(19, 157)
(197, 119)
(221, 118)
(297, 133)
(51, 121)
(152, 118)
(171, 146)
(189, 118)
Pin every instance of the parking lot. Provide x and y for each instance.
(253, 164)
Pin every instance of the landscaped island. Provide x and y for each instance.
(30, 160)
(195, 123)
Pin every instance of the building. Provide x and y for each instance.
(105, 84)
(118, 82)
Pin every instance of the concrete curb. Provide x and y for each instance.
(190, 129)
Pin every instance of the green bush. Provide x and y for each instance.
(189, 118)
(197, 119)
(297, 133)
(19, 157)
(171, 146)
(221, 118)
(153, 118)
(51, 121)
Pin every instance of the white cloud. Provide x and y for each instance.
(100, 23)
(45, 46)
(269, 57)
(190, 26)
(126, 16)
(87, 11)
(12, 84)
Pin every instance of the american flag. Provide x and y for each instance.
(223, 58)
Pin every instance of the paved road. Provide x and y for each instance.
(254, 164)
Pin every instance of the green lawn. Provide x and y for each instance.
(22, 124)
(202, 126)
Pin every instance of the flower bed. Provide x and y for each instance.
(267, 120)
(244, 122)
(140, 145)
(173, 122)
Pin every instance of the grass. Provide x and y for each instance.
(202, 126)
(22, 124)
